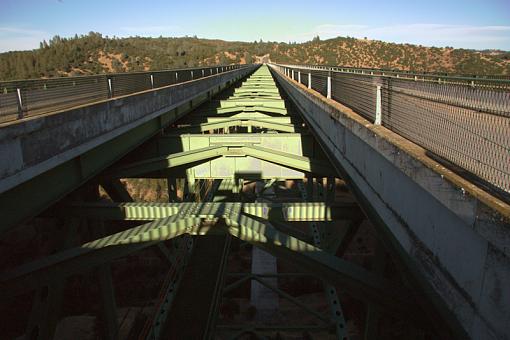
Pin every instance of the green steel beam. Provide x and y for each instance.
(201, 127)
(283, 120)
(155, 324)
(244, 107)
(164, 254)
(42, 191)
(160, 163)
(116, 190)
(355, 279)
(47, 301)
(217, 293)
(301, 163)
(281, 293)
(101, 251)
(330, 291)
(233, 149)
(108, 305)
(291, 212)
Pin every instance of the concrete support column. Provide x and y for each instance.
(310, 80)
(299, 77)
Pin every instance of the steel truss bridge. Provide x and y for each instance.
(299, 202)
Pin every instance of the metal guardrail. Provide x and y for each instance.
(26, 98)
(465, 125)
(502, 81)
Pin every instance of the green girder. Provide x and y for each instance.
(201, 127)
(357, 280)
(291, 212)
(234, 149)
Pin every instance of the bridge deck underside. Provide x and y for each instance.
(246, 138)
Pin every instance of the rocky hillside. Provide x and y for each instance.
(93, 53)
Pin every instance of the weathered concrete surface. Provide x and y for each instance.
(453, 236)
(32, 146)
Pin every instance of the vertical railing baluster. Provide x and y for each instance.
(110, 88)
(20, 104)
(329, 86)
(378, 106)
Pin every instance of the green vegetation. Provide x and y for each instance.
(93, 53)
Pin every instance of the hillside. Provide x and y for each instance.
(93, 53)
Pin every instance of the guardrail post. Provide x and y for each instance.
(20, 104)
(378, 106)
(292, 74)
(299, 76)
(110, 88)
(329, 85)
(310, 80)
(191, 75)
(203, 73)
(152, 81)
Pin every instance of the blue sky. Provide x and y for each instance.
(459, 23)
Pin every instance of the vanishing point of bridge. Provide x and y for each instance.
(297, 202)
